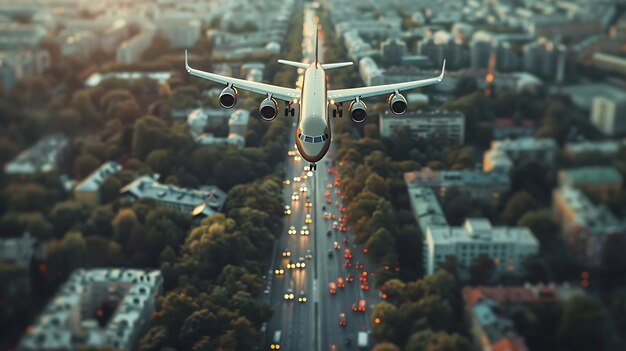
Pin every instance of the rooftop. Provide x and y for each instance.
(598, 219)
(94, 181)
(426, 208)
(590, 175)
(429, 177)
(41, 157)
(524, 143)
(479, 230)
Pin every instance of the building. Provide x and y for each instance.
(609, 62)
(96, 78)
(111, 38)
(505, 128)
(45, 156)
(130, 51)
(73, 318)
(504, 153)
(541, 57)
(238, 122)
(600, 181)
(507, 246)
(392, 51)
(608, 114)
(605, 147)
(198, 203)
(14, 35)
(181, 33)
(81, 43)
(18, 251)
(369, 72)
(487, 187)
(449, 125)
(584, 225)
(88, 190)
(26, 63)
(486, 312)
(441, 46)
(208, 139)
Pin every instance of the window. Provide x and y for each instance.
(317, 139)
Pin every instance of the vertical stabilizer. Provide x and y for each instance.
(317, 31)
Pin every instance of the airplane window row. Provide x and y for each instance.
(313, 139)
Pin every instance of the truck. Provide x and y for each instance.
(362, 340)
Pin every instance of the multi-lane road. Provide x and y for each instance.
(314, 324)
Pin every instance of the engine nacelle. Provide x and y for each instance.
(268, 109)
(228, 97)
(397, 104)
(358, 111)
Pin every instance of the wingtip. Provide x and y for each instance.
(443, 70)
(186, 62)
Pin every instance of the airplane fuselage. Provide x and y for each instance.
(313, 132)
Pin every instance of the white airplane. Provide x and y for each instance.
(313, 132)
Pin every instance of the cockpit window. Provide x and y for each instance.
(313, 139)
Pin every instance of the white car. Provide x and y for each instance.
(287, 210)
(303, 189)
(289, 295)
(304, 230)
(292, 230)
(295, 196)
(308, 219)
(309, 254)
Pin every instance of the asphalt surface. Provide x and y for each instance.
(314, 325)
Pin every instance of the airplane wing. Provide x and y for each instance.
(281, 93)
(342, 95)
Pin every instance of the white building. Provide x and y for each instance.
(80, 44)
(196, 202)
(504, 153)
(208, 139)
(131, 50)
(425, 124)
(608, 114)
(507, 246)
(39, 158)
(238, 122)
(26, 63)
(369, 72)
(605, 147)
(88, 190)
(69, 321)
(182, 33)
(19, 250)
(440, 46)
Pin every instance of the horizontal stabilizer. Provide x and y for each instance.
(294, 64)
(328, 66)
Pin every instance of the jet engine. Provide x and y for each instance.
(397, 104)
(228, 97)
(358, 111)
(268, 109)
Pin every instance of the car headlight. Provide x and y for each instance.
(303, 265)
(286, 296)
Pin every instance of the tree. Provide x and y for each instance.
(161, 161)
(8, 150)
(377, 185)
(70, 121)
(102, 252)
(26, 197)
(518, 205)
(173, 309)
(149, 133)
(68, 215)
(381, 243)
(85, 164)
(541, 225)
(198, 324)
(127, 111)
(386, 346)
(482, 270)
(81, 102)
(582, 324)
(155, 339)
(124, 223)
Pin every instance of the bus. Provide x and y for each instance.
(275, 345)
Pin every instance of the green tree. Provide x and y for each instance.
(541, 225)
(161, 161)
(69, 215)
(124, 223)
(149, 133)
(518, 205)
(70, 121)
(102, 252)
(173, 309)
(582, 324)
(85, 164)
(381, 243)
(377, 185)
(81, 102)
(156, 338)
(26, 197)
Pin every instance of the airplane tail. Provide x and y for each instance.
(317, 31)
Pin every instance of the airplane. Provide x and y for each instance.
(313, 132)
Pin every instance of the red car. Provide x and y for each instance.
(365, 287)
(345, 240)
(342, 219)
(340, 283)
(349, 278)
(342, 209)
(347, 263)
(360, 307)
(347, 254)
(359, 265)
(332, 288)
(327, 193)
(342, 319)
(328, 200)
(342, 228)
(344, 196)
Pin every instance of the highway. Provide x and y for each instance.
(314, 325)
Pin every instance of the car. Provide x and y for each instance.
(289, 294)
(327, 193)
(343, 197)
(297, 158)
(349, 278)
(342, 209)
(348, 341)
(292, 230)
(342, 228)
(365, 287)
(309, 254)
(329, 186)
(332, 288)
(361, 306)
(324, 208)
(326, 215)
(337, 191)
(330, 253)
(342, 219)
(303, 189)
(358, 265)
(286, 181)
(287, 210)
(347, 263)
(328, 200)
(300, 264)
(308, 219)
(363, 277)
(340, 283)
(345, 240)
(328, 233)
(308, 204)
(295, 196)
(335, 225)
(347, 254)
(286, 253)
(342, 319)
(279, 271)
(304, 230)
(336, 245)
(302, 297)
(291, 152)
(296, 179)
(291, 265)
(333, 216)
